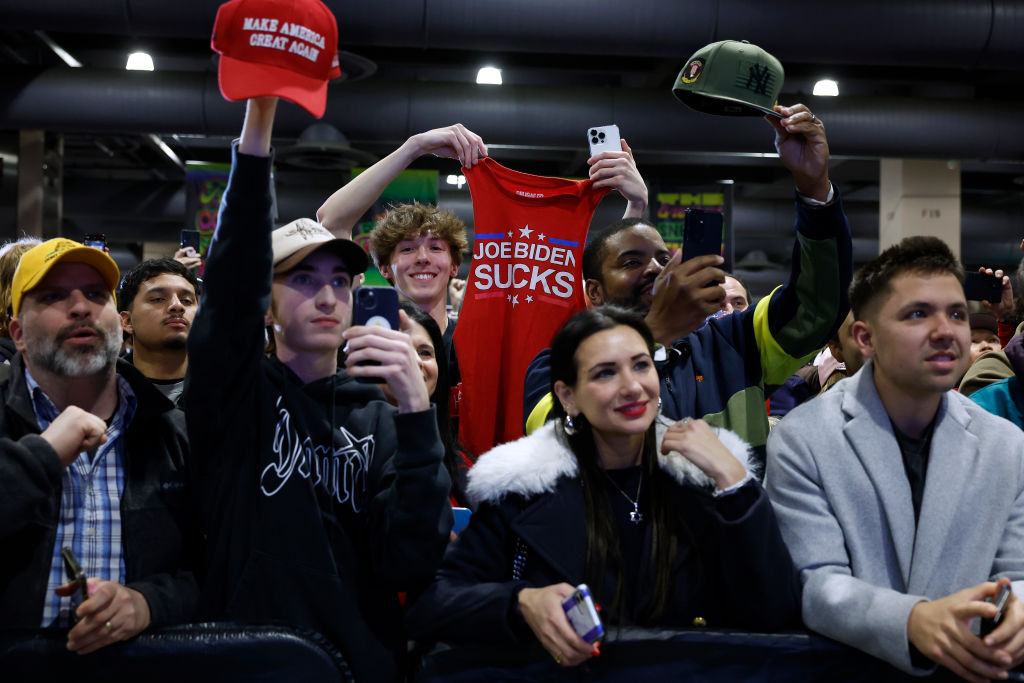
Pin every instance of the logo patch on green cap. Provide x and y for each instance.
(731, 78)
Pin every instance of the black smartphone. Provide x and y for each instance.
(989, 625)
(190, 238)
(983, 287)
(96, 240)
(703, 233)
(74, 572)
(375, 306)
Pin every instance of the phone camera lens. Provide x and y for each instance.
(593, 131)
(601, 135)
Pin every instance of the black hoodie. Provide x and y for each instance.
(319, 501)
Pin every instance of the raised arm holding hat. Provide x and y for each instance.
(280, 49)
(288, 441)
(709, 374)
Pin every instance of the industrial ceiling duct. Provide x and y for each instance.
(322, 147)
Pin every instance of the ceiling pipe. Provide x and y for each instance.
(90, 100)
(955, 34)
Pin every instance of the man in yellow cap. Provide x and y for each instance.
(91, 459)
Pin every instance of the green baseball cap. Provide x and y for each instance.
(731, 78)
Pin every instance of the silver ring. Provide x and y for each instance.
(110, 627)
(815, 119)
(686, 421)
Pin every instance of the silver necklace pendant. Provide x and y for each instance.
(635, 517)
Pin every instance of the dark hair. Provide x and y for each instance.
(746, 290)
(147, 270)
(920, 254)
(602, 543)
(441, 393)
(594, 252)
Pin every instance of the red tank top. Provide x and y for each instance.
(525, 282)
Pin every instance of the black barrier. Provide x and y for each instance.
(180, 654)
(226, 652)
(655, 655)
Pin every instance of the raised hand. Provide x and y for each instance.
(803, 149)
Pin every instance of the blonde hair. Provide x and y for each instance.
(10, 256)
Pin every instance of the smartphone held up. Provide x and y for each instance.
(604, 139)
(375, 306)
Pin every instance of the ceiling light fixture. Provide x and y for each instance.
(826, 87)
(488, 75)
(139, 61)
(458, 180)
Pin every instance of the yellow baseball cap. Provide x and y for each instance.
(37, 262)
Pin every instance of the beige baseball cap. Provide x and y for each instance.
(300, 238)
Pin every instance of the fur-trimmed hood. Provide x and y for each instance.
(533, 464)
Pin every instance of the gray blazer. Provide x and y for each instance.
(842, 499)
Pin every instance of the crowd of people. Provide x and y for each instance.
(237, 449)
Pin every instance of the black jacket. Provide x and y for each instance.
(735, 572)
(158, 537)
(320, 502)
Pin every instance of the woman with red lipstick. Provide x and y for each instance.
(664, 522)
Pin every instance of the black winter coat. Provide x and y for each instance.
(159, 535)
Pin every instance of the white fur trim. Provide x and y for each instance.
(533, 464)
(527, 466)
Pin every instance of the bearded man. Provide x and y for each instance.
(92, 459)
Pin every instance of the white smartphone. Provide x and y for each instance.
(579, 608)
(604, 139)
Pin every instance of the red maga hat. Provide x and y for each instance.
(283, 48)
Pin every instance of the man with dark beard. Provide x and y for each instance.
(723, 371)
(91, 458)
(158, 300)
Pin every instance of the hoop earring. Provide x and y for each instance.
(659, 404)
(568, 426)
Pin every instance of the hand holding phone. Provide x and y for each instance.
(375, 307)
(703, 233)
(582, 614)
(604, 139)
(1000, 601)
(983, 287)
(190, 238)
(544, 611)
(75, 574)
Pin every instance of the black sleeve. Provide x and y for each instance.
(473, 597)
(811, 306)
(410, 516)
(762, 590)
(30, 480)
(225, 345)
(172, 596)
